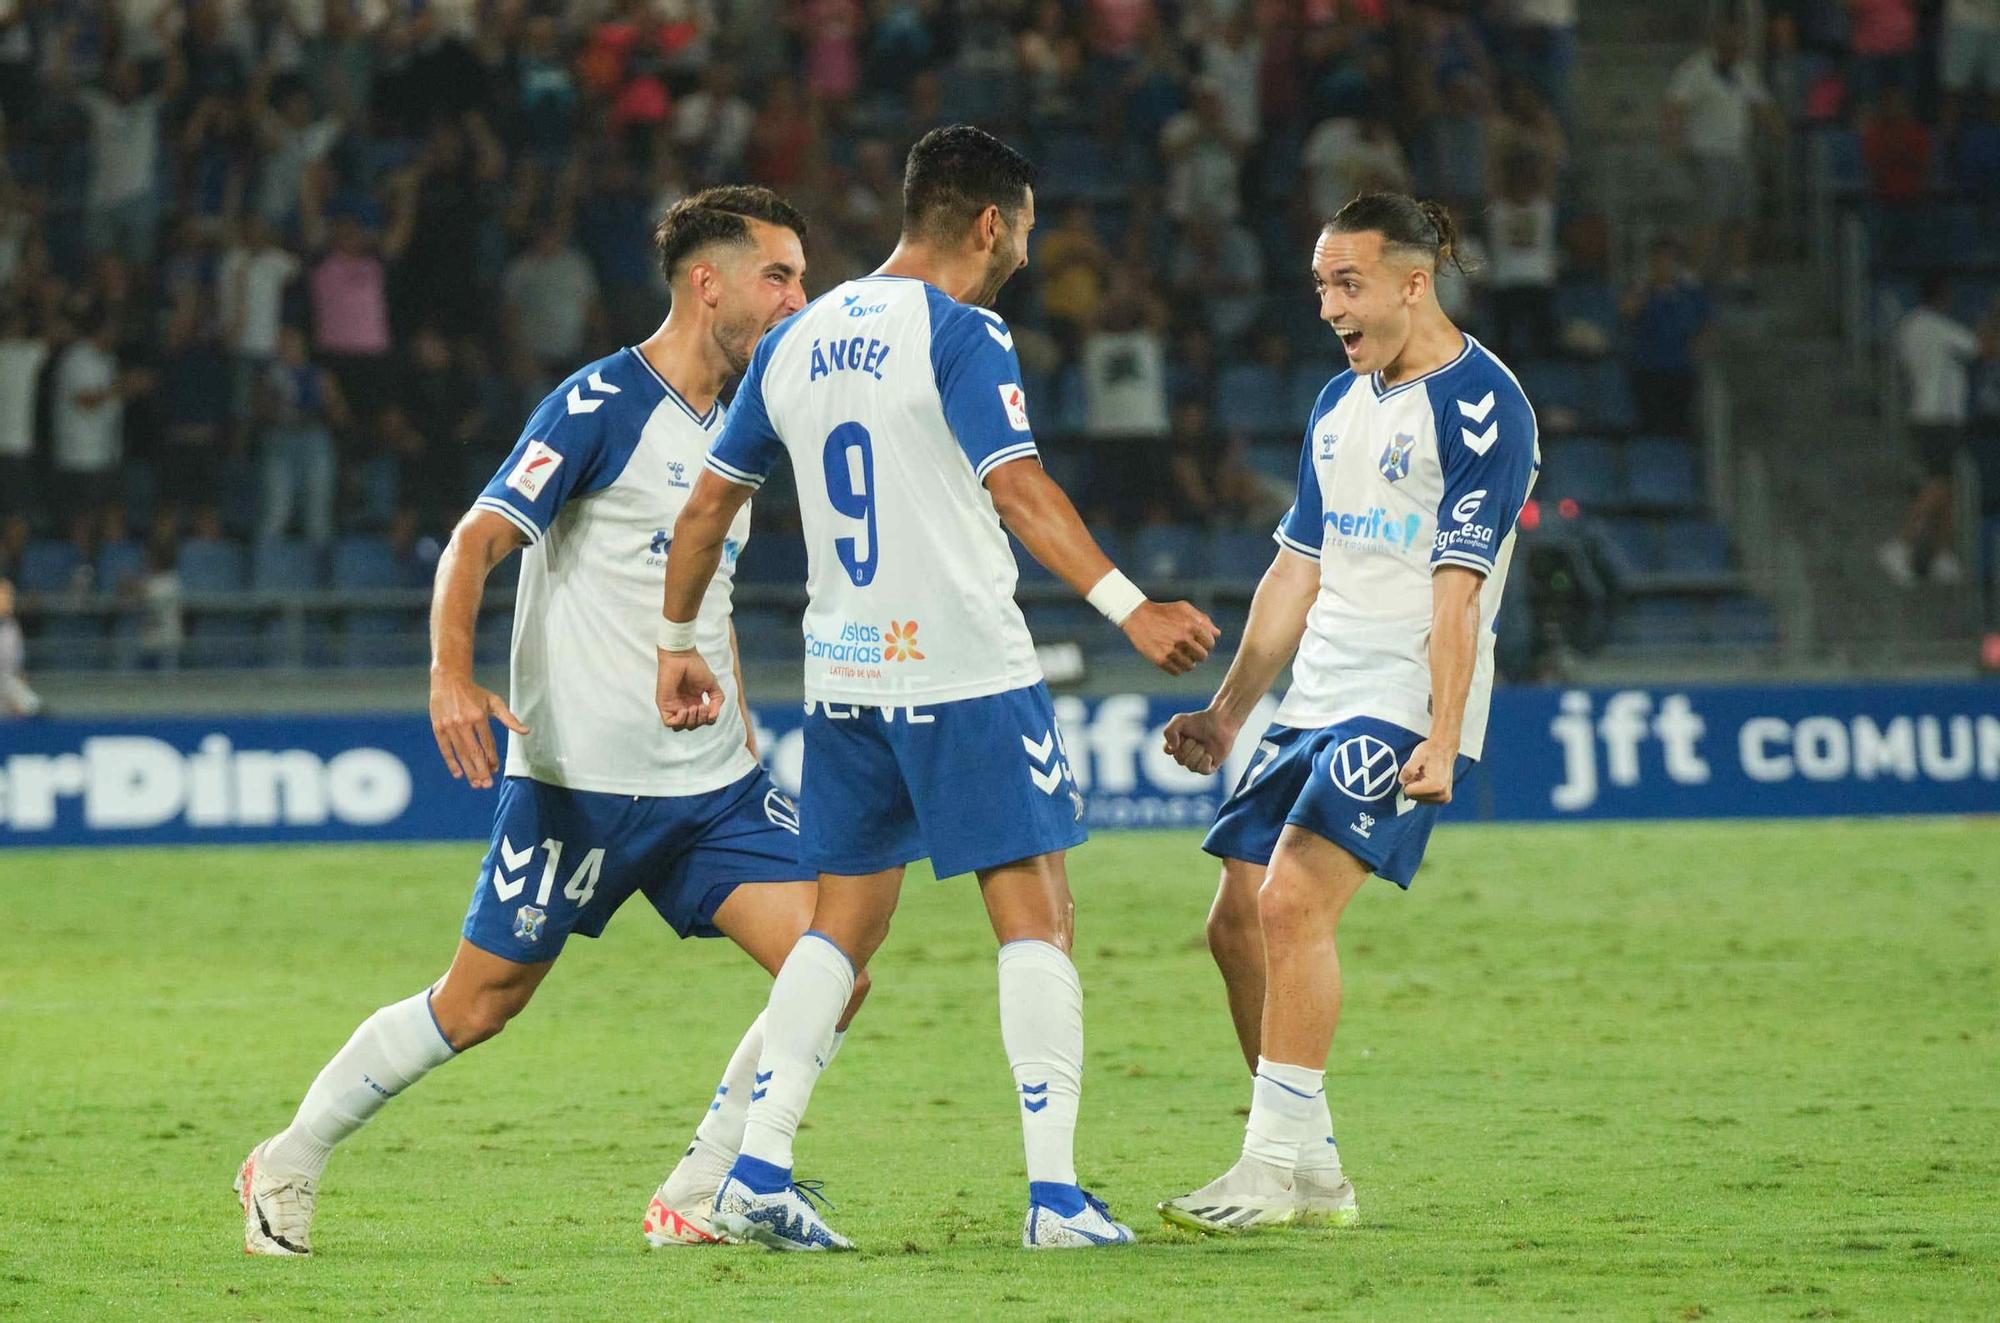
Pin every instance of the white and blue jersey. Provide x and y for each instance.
(928, 729)
(895, 402)
(595, 484)
(600, 799)
(1394, 482)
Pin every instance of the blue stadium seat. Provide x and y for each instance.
(1553, 384)
(211, 565)
(48, 566)
(1742, 620)
(1251, 398)
(118, 564)
(1669, 621)
(1632, 544)
(1169, 551)
(1301, 393)
(1585, 470)
(1241, 553)
(1608, 396)
(1660, 474)
(285, 566)
(227, 642)
(1076, 166)
(363, 563)
(1694, 548)
(1841, 154)
(1589, 301)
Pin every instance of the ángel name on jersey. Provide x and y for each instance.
(853, 354)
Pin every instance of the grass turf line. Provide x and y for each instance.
(1670, 1072)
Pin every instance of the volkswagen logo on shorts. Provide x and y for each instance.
(1364, 768)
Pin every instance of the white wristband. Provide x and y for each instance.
(1116, 597)
(676, 635)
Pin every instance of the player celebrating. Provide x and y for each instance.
(1387, 579)
(928, 730)
(597, 801)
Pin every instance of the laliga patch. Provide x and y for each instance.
(1016, 405)
(538, 464)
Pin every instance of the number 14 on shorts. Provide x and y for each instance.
(511, 869)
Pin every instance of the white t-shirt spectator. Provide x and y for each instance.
(87, 439)
(1934, 350)
(1521, 243)
(550, 297)
(253, 284)
(1716, 108)
(124, 145)
(1546, 13)
(283, 172)
(21, 362)
(1978, 15)
(1233, 70)
(1341, 161)
(1201, 170)
(1124, 384)
(714, 129)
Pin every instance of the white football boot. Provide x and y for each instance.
(1089, 1226)
(682, 1207)
(1250, 1196)
(277, 1208)
(1326, 1199)
(781, 1220)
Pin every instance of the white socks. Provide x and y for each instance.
(1287, 1111)
(721, 1128)
(807, 999)
(1041, 1023)
(393, 1049)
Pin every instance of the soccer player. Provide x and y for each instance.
(597, 801)
(928, 730)
(1386, 583)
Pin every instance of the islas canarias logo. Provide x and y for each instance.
(900, 643)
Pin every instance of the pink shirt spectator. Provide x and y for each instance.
(833, 65)
(1884, 27)
(1116, 25)
(350, 305)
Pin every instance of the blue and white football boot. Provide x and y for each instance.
(779, 1217)
(1069, 1217)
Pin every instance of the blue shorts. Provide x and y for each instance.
(1339, 782)
(563, 861)
(972, 784)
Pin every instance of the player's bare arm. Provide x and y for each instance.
(1174, 636)
(1453, 649)
(460, 708)
(688, 694)
(742, 693)
(1201, 741)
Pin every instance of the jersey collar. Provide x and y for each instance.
(702, 420)
(1375, 378)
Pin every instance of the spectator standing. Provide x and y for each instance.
(1124, 370)
(23, 354)
(1522, 260)
(1666, 323)
(1935, 352)
(1219, 269)
(550, 300)
(1968, 54)
(1072, 264)
(1344, 157)
(123, 206)
(17, 699)
(712, 125)
(1883, 37)
(87, 424)
(302, 404)
(252, 281)
(195, 397)
(350, 310)
(1204, 159)
(1714, 103)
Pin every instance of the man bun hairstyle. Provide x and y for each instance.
(954, 174)
(719, 216)
(1403, 222)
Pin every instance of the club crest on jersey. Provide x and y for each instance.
(537, 465)
(529, 922)
(1396, 459)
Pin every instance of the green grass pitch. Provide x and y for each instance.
(1745, 1071)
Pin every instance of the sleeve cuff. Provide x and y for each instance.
(1293, 544)
(741, 477)
(511, 515)
(1459, 558)
(1004, 455)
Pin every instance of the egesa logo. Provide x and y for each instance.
(1375, 529)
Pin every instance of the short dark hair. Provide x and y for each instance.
(719, 215)
(954, 174)
(1403, 222)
